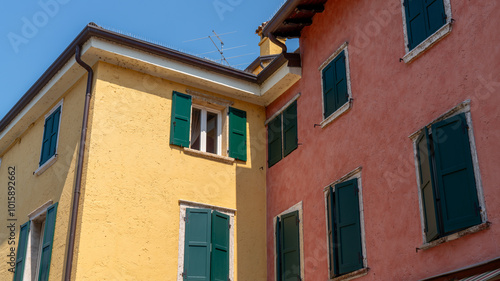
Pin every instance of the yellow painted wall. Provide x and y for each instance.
(55, 184)
(129, 226)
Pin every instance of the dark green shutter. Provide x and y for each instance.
(332, 248)
(274, 141)
(21, 251)
(50, 134)
(197, 245)
(220, 247)
(237, 134)
(335, 92)
(290, 247)
(423, 18)
(278, 249)
(350, 254)
(341, 95)
(48, 239)
(290, 139)
(329, 103)
(436, 15)
(180, 120)
(427, 187)
(455, 174)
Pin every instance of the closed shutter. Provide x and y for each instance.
(290, 141)
(415, 22)
(274, 141)
(278, 249)
(455, 174)
(220, 247)
(350, 255)
(341, 95)
(427, 187)
(237, 134)
(290, 247)
(21, 251)
(197, 245)
(329, 101)
(436, 15)
(50, 133)
(332, 249)
(180, 120)
(48, 239)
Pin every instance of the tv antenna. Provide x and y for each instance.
(219, 49)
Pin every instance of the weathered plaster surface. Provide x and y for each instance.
(130, 210)
(391, 101)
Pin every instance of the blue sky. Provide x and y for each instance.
(34, 33)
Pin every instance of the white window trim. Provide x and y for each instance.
(354, 174)
(296, 207)
(203, 129)
(52, 159)
(431, 40)
(184, 204)
(296, 97)
(344, 108)
(33, 217)
(463, 107)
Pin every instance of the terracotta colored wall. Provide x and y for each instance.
(391, 101)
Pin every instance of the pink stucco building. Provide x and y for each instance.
(383, 157)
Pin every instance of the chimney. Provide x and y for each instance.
(268, 51)
(266, 46)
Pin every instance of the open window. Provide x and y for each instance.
(203, 126)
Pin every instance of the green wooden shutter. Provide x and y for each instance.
(415, 22)
(332, 249)
(50, 134)
(48, 239)
(290, 139)
(341, 95)
(237, 134)
(455, 174)
(278, 249)
(21, 251)
(197, 245)
(329, 101)
(220, 247)
(436, 16)
(427, 187)
(180, 120)
(274, 141)
(290, 247)
(350, 254)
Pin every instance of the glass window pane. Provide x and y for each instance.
(211, 132)
(195, 128)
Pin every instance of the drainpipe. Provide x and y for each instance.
(293, 58)
(79, 168)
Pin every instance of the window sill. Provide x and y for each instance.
(210, 156)
(336, 114)
(352, 275)
(45, 165)
(454, 236)
(427, 43)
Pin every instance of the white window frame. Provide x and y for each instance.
(463, 107)
(354, 174)
(203, 128)
(52, 159)
(184, 204)
(35, 238)
(296, 207)
(410, 55)
(341, 110)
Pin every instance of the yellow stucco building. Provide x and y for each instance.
(169, 181)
